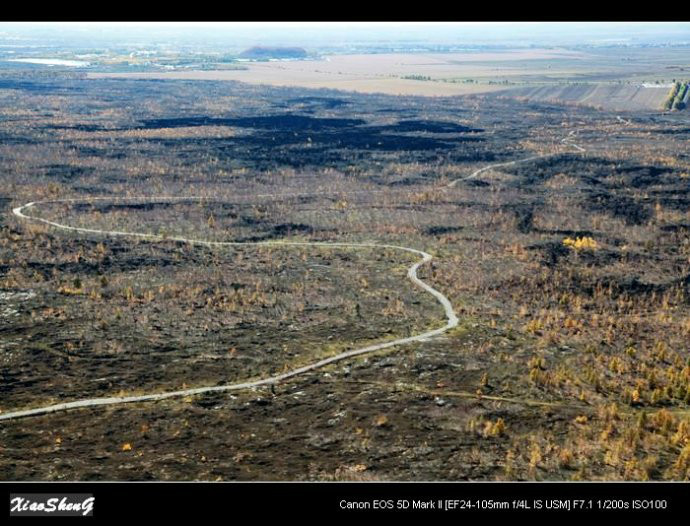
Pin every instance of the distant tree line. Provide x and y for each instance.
(668, 103)
(679, 103)
(416, 77)
(676, 96)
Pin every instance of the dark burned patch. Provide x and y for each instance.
(4, 208)
(430, 127)
(15, 140)
(327, 133)
(682, 228)
(280, 231)
(674, 202)
(321, 102)
(218, 209)
(299, 141)
(91, 190)
(629, 286)
(405, 181)
(361, 139)
(121, 257)
(373, 140)
(107, 265)
(47, 270)
(683, 282)
(265, 150)
(80, 127)
(225, 210)
(116, 207)
(286, 229)
(524, 215)
(640, 176)
(398, 112)
(552, 252)
(440, 230)
(475, 154)
(630, 210)
(210, 400)
(565, 232)
(108, 153)
(38, 87)
(67, 172)
(602, 257)
(590, 170)
(306, 199)
(476, 182)
(268, 122)
(673, 131)
(251, 221)
(615, 286)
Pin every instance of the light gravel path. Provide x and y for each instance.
(451, 318)
(567, 141)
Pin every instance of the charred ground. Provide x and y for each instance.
(571, 360)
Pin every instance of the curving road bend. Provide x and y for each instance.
(451, 318)
(567, 141)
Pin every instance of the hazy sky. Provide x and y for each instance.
(342, 33)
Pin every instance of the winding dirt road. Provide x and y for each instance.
(451, 318)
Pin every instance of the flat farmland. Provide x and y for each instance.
(380, 73)
(592, 77)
